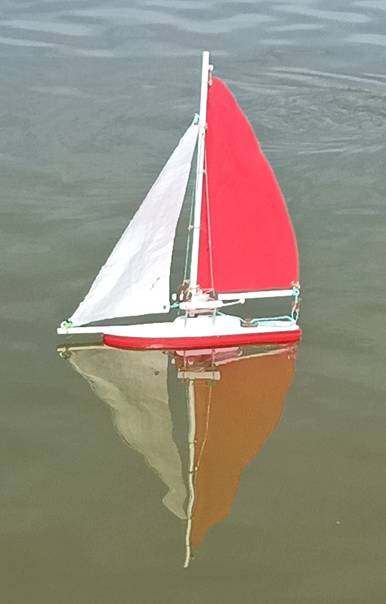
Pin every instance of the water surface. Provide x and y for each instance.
(93, 97)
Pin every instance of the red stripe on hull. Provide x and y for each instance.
(281, 337)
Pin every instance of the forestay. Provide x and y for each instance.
(135, 279)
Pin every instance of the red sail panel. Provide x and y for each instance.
(252, 241)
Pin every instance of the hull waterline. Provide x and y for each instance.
(192, 343)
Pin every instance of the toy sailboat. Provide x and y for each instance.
(234, 399)
(243, 244)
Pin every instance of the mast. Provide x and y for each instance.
(206, 67)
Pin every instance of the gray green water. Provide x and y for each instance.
(93, 96)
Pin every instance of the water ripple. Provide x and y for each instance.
(89, 28)
(178, 4)
(51, 27)
(25, 43)
(296, 27)
(213, 25)
(331, 15)
(372, 4)
(323, 79)
(368, 38)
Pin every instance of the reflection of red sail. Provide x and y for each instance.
(234, 416)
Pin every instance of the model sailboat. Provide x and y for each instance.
(234, 400)
(243, 244)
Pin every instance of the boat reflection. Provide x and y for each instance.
(234, 401)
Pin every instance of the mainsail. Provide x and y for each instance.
(247, 242)
(135, 279)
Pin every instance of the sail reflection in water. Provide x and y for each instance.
(234, 400)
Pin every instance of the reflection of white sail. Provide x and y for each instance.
(134, 384)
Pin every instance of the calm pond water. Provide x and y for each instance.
(93, 97)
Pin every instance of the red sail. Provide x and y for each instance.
(247, 242)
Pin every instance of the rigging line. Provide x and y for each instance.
(188, 244)
(209, 223)
(189, 236)
(206, 432)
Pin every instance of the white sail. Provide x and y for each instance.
(135, 279)
(134, 385)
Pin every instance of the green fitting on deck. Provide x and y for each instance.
(66, 324)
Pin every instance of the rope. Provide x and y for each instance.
(209, 224)
(258, 320)
(295, 311)
(266, 319)
(190, 228)
(206, 432)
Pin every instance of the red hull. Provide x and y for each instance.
(191, 343)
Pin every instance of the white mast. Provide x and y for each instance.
(206, 67)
